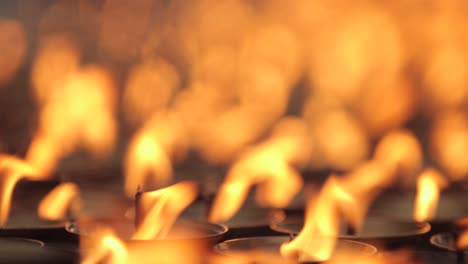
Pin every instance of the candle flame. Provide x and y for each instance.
(107, 246)
(317, 238)
(65, 123)
(430, 183)
(152, 151)
(401, 150)
(270, 164)
(158, 210)
(62, 200)
(13, 170)
(462, 242)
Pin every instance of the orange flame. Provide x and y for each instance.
(462, 241)
(64, 121)
(107, 246)
(152, 151)
(13, 170)
(158, 210)
(149, 89)
(318, 236)
(449, 143)
(400, 150)
(269, 164)
(430, 182)
(59, 202)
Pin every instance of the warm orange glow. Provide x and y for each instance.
(462, 242)
(149, 89)
(318, 236)
(158, 210)
(449, 143)
(13, 44)
(57, 57)
(107, 246)
(270, 164)
(152, 151)
(65, 123)
(430, 183)
(401, 150)
(356, 190)
(340, 142)
(59, 202)
(13, 170)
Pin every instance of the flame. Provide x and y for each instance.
(57, 57)
(157, 211)
(59, 202)
(65, 122)
(13, 45)
(449, 143)
(149, 89)
(107, 246)
(318, 236)
(341, 142)
(13, 170)
(270, 164)
(152, 150)
(400, 149)
(430, 182)
(462, 242)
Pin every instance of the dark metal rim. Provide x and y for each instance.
(220, 231)
(420, 229)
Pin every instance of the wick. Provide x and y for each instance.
(138, 207)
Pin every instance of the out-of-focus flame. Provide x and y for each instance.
(157, 211)
(341, 142)
(449, 143)
(107, 246)
(270, 164)
(58, 56)
(318, 236)
(152, 151)
(400, 150)
(149, 89)
(430, 183)
(78, 112)
(462, 242)
(13, 170)
(59, 202)
(358, 190)
(13, 45)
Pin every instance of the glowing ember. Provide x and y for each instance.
(269, 164)
(157, 211)
(60, 202)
